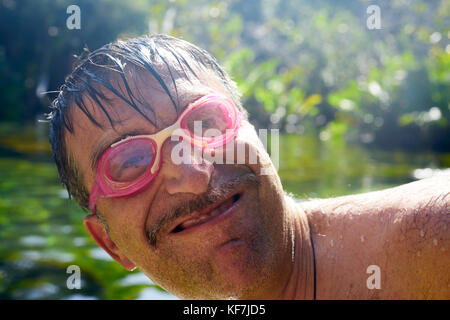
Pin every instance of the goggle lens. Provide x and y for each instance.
(208, 120)
(129, 161)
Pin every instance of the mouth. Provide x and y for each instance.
(208, 214)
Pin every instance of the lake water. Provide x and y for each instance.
(41, 231)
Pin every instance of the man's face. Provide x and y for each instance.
(238, 243)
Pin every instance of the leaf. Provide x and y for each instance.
(265, 97)
(309, 103)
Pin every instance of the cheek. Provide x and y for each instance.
(270, 186)
(245, 149)
(256, 156)
(126, 220)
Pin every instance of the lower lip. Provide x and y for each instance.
(209, 223)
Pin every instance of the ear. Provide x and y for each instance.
(99, 234)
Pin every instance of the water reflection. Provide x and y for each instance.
(100, 254)
(428, 172)
(33, 241)
(41, 231)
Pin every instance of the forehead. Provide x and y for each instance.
(148, 98)
(117, 118)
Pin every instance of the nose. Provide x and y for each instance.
(192, 175)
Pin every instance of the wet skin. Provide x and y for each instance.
(256, 242)
(405, 231)
(244, 252)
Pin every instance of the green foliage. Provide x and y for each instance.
(298, 64)
(37, 49)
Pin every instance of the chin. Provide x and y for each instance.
(240, 268)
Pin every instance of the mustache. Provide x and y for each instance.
(211, 196)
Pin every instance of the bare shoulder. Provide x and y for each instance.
(403, 230)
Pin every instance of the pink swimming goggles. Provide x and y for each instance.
(129, 165)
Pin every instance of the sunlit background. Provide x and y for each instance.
(358, 110)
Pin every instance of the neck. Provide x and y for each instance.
(300, 284)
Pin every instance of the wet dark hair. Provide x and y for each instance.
(160, 55)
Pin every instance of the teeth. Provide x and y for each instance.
(199, 219)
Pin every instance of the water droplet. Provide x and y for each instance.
(442, 249)
(340, 236)
(422, 233)
(321, 210)
(435, 242)
(362, 238)
(332, 243)
(402, 237)
(418, 253)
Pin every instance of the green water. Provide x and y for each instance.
(41, 231)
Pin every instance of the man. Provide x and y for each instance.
(208, 229)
